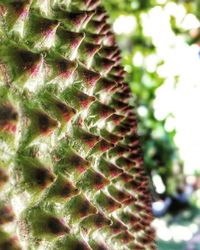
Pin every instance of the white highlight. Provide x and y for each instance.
(138, 59)
(176, 233)
(158, 183)
(142, 111)
(190, 22)
(17, 204)
(124, 24)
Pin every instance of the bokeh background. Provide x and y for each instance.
(160, 43)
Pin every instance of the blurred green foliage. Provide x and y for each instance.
(129, 6)
(160, 152)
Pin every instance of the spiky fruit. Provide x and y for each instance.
(71, 171)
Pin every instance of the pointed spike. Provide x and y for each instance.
(16, 15)
(91, 181)
(87, 76)
(88, 18)
(3, 177)
(110, 137)
(94, 38)
(104, 84)
(87, 52)
(106, 203)
(71, 20)
(95, 27)
(6, 214)
(60, 70)
(124, 237)
(108, 169)
(103, 65)
(109, 39)
(68, 162)
(67, 43)
(108, 51)
(117, 194)
(78, 208)
(93, 4)
(100, 14)
(8, 118)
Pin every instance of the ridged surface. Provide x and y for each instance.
(71, 170)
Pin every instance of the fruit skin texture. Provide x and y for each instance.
(71, 170)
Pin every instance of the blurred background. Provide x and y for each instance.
(160, 43)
